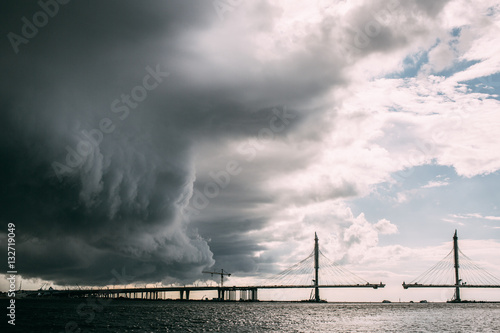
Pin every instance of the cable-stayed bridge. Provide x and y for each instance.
(315, 272)
(455, 270)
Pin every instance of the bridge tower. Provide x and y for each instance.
(316, 268)
(457, 277)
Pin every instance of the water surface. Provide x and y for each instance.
(90, 315)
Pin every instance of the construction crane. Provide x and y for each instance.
(221, 273)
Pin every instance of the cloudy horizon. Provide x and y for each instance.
(165, 138)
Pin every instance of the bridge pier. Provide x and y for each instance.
(254, 294)
(182, 293)
(220, 294)
(225, 294)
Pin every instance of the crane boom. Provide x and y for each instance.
(221, 273)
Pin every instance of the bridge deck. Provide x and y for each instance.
(195, 288)
(415, 285)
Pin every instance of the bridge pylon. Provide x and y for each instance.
(456, 266)
(316, 268)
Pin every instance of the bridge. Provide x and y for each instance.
(455, 270)
(306, 274)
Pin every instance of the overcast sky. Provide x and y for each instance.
(162, 138)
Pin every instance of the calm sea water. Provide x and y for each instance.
(77, 315)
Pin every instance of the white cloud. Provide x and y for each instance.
(385, 227)
(475, 216)
(452, 221)
(438, 183)
(402, 197)
(441, 57)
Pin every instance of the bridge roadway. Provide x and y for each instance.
(152, 293)
(417, 285)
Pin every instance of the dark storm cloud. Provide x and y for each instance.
(121, 206)
(233, 248)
